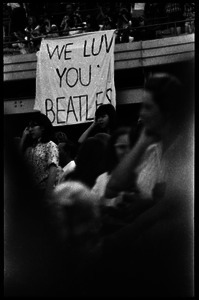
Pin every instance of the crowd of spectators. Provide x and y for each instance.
(26, 24)
(121, 222)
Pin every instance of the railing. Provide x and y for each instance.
(160, 30)
(129, 34)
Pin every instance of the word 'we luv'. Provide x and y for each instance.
(92, 49)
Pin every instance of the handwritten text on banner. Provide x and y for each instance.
(75, 75)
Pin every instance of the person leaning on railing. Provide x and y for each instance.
(72, 19)
(127, 27)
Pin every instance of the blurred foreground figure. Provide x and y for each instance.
(29, 240)
(47, 245)
(166, 117)
(76, 212)
(155, 248)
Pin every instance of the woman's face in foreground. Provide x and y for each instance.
(153, 119)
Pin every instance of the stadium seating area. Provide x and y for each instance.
(25, 24)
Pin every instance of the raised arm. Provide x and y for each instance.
(24, 139)
(122, 176)
(87, 133)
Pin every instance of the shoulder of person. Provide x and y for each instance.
(52, 145)
(102, 177)
(154, 149)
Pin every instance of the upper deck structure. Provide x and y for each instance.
(132, 56)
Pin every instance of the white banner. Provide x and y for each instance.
(75, 75)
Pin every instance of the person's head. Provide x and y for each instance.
(60, 137)
(119, 146)
(69, 9)
(41, 128)
(104, 137)
(90, 160)
(105, 116)
(67, 152)
(31, 20)
(47, 24)
(162, 103)
(54, 28)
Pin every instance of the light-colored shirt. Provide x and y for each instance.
(156, 166)
(99, 189)
(40, 158)
(100, 184)
(139, 6)
(63, 172)
(151, 170)
(69, 167)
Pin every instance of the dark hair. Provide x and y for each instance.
(60, 137)
(104, 137)
(109, 110)
(67, 152)
(42, 120)
(89, 161)
(135, 132)
(111, 158)
(167, 93)
(71, 147)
